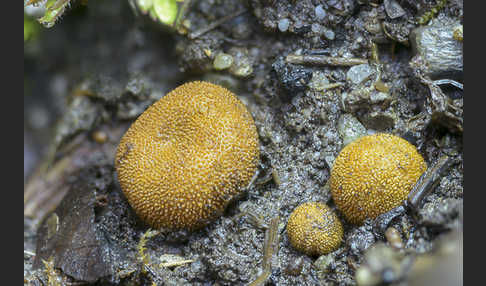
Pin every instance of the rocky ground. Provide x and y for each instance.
(314, 74)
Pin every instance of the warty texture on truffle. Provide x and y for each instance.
(373, 175)
(187, 156)
(314, 229)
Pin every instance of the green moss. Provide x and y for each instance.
(31, 28)
(430, 14)
(54, 9)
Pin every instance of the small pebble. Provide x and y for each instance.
(360, 73)
(377, 97)
(222, 61)
(320, 13)
(316, 28)
(283, 24)
(329, 34)
(393, 237)
(393, 9)
(381, 86)
(319, 81)
(350, 128)
(242, 66)
(298, 24)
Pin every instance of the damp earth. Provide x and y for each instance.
(315, 75)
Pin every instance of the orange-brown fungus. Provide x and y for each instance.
(373, 175)
(187, 156)
(314, 229)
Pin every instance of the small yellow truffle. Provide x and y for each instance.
(373, 175)
(184, 159)
(314, 229)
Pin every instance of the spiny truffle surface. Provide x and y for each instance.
(373, 175)
(314, 229)
(187, 156)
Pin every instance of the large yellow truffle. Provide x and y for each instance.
(314, 229)
(187, 156)
(373, 175)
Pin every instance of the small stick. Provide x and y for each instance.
(214, 24)
(271, 243)
(374, 53)
(270, 247)
(321, 60)
(176, 263)
(428, 181)
(449, 81)
(181, 12)
(332, 85)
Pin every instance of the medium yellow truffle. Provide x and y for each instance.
(187, 156)
(373, 175)
(314, 229)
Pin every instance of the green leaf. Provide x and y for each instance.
(54, 9)
(166, 11)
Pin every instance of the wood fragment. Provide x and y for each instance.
(321, 60)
